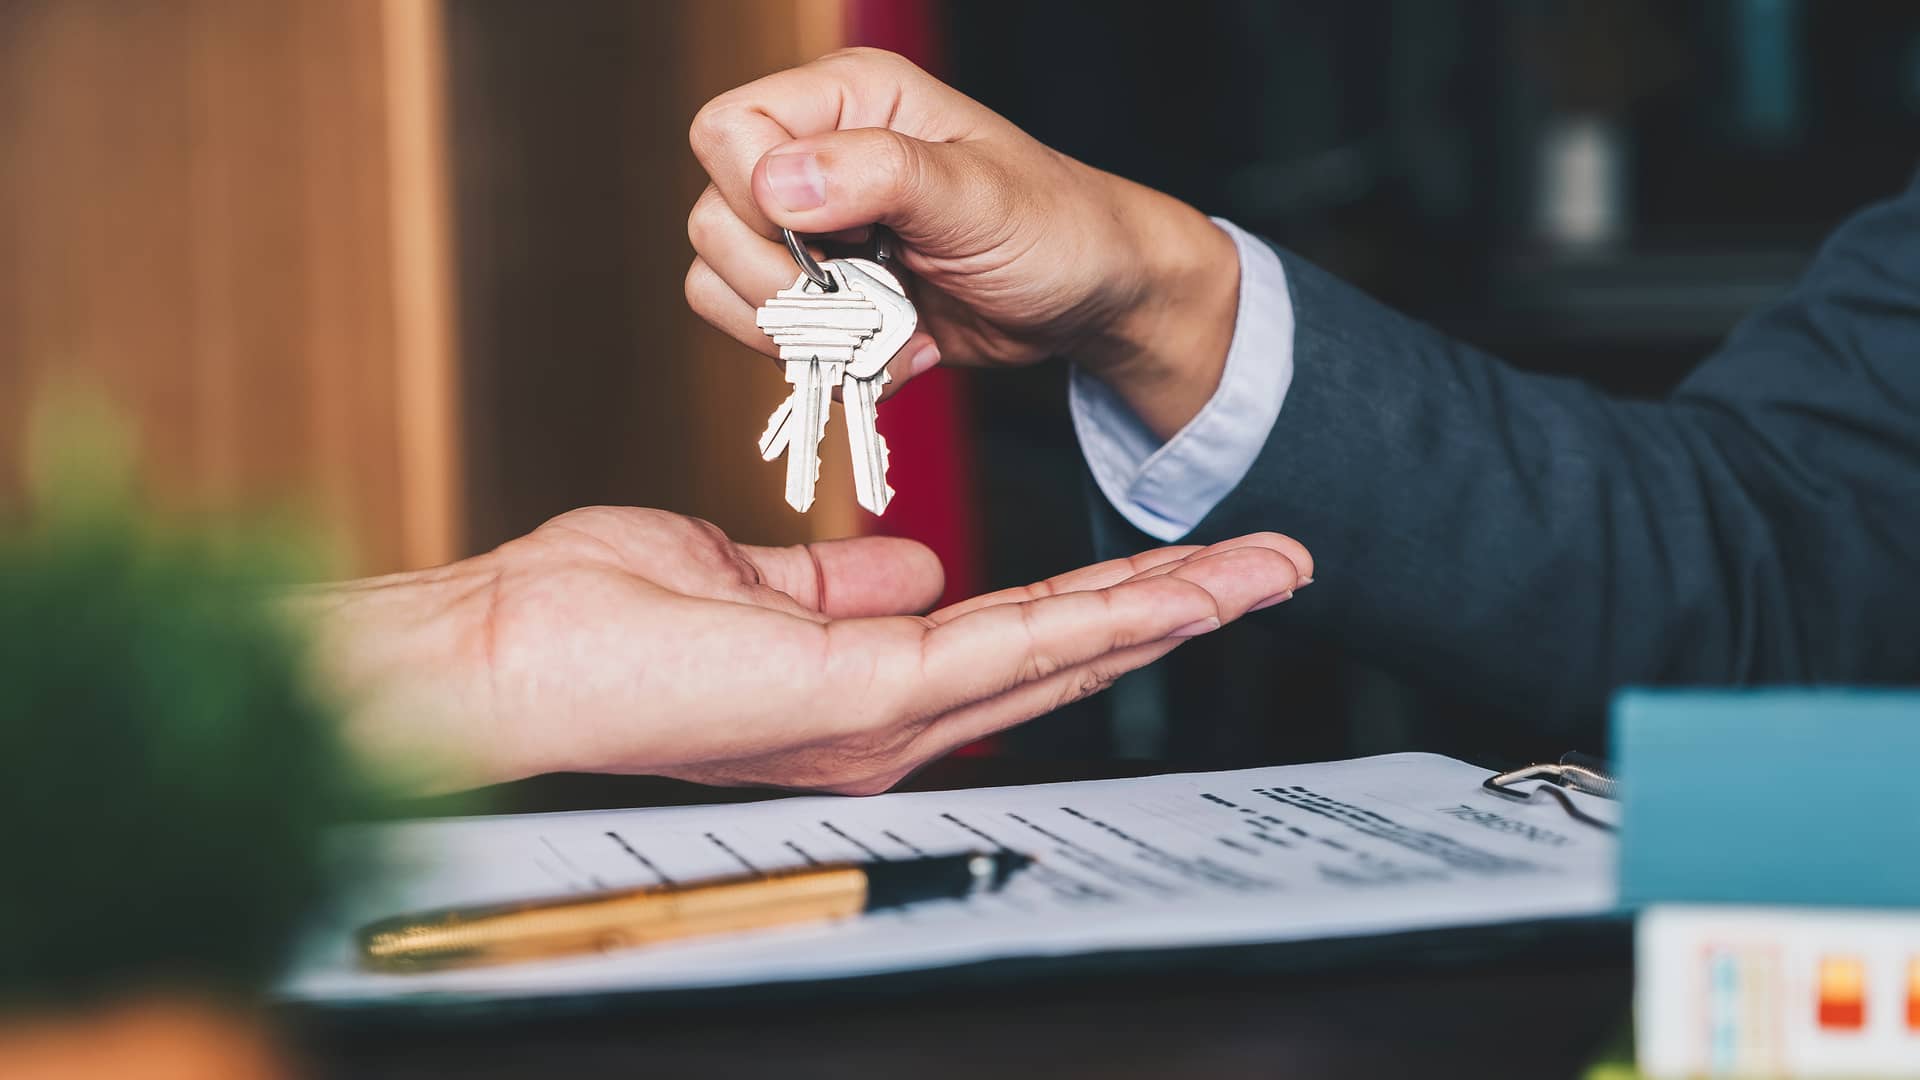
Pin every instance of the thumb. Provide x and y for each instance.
(862, 576)
(846, 179)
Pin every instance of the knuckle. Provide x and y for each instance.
(582, 515)
(695, 538)
(705, 535)
(1259, 560)
(703, 221)
(867, 56)
(1278, 567)
(1286, 547)
(1083, 685)
(1039, 663)
(694, 286)
(1042, 665)
(713, 126)
(700, 131)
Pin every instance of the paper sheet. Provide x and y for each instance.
(1375, 845)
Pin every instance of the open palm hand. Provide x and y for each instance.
(631, 640)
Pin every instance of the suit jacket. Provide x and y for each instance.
(1532, 541)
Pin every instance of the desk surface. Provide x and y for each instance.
(1528, 1016)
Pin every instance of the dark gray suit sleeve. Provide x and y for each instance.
(1530, 540)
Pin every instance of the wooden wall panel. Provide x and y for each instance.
(204, 216)
(726, 44)
(587, 379)
(240, 220)
(420, 213)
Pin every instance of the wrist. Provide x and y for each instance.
(1166, 350)
(408, 658)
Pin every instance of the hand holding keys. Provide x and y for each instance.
(838, 325)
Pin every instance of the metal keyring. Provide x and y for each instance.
(808, 266)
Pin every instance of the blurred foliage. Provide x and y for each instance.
(1615, 1060)
(165, 769)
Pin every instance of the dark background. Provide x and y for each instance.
(1403, 144)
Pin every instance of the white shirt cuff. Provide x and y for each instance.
(1164, 490)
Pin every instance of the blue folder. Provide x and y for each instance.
(1769, 796)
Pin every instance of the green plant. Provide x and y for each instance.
(165, 768)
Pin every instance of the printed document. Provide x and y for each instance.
(1288, 853)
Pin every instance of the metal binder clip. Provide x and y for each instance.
(1580, 772)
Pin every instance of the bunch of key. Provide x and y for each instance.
(838, 326)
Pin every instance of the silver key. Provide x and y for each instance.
(861, 397)
(843, 338)
(897, 316)
(813, 382)
(809, 323)
(867, 374)
(788, 319)
(817, 332)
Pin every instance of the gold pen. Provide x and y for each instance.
(603, 922)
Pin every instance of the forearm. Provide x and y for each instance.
(408, 658)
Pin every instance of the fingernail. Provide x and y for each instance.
(1272, 600)
(1196, 628)
(1302, 583)
(797, 181)
(924, 361)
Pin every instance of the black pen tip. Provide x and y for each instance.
(940, 877)
(1005, 865)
